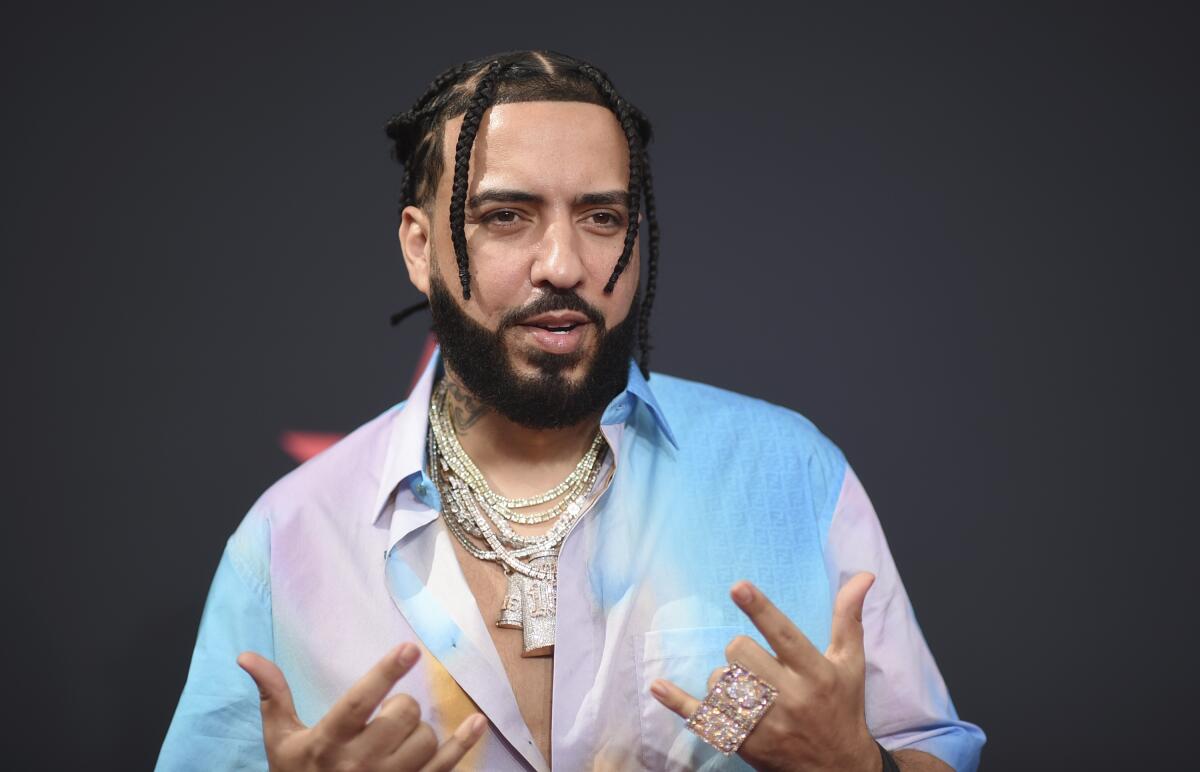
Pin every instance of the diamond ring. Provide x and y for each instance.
(732, 708)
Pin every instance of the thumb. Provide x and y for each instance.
(846, 633)
(278, 710)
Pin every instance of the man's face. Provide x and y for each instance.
(545, 224)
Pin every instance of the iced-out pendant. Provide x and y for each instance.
(530, 604)
(510, 612)
(538, 605)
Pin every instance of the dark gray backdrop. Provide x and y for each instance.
(960, 239)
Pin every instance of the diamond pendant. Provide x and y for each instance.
(538, 605)
(510, 611)
(530, 605)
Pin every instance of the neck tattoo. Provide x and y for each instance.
(464, 409)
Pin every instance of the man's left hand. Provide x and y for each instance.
(818, 720)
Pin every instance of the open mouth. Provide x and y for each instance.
(558, 322)
(558, 332)
(561, 329)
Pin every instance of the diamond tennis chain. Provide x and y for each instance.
(576, 483)
(470, 508)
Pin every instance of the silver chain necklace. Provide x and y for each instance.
(570, 491)
(471, 510)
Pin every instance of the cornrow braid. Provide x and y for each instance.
(481, 100)
(651, 267)
(404, 128)
(625, 118)
(640, 183)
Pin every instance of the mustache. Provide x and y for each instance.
(553, 300)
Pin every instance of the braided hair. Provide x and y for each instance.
(469, 89)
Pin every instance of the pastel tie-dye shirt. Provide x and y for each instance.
(345, 557)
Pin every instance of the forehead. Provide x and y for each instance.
(543, 146)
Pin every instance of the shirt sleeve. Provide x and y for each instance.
(218, 724)
(907, 703)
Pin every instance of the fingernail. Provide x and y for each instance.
(470, 729)
(407, 655)
(658, 689)
(743, 594)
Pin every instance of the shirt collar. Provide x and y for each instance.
(406, 445)
(405, 457)
(622, 406)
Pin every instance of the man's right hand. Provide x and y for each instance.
(396, 739)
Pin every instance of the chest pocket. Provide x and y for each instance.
(686, 657)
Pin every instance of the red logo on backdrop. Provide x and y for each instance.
(302, 446)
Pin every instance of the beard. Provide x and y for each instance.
(548, 399)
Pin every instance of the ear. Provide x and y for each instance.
(415, 244)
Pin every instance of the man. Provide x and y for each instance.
(546, 555)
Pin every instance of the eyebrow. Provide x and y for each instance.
(608, 197)
(510, 196)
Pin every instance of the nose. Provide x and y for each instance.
(558, 262)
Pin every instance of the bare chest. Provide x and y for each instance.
(531, 677)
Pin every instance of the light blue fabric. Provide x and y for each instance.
(708, 487)
(218, 723)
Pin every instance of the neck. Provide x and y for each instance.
(505, 450)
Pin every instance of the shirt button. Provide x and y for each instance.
(420, 489)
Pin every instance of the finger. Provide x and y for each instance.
(747, 652)
(463, 739)
(790, 645)
(846, 633)
(397, 718)
(712, 679)
(275, 698)
(417, 750)
(349, 714)
(676, 699)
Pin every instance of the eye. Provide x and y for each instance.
(501, 217)
(605, 219)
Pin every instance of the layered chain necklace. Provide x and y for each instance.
(473, 512)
